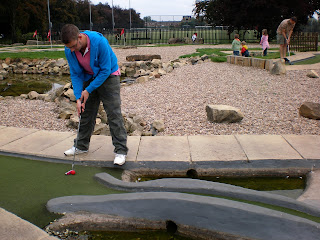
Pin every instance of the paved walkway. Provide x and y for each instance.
(184, 152)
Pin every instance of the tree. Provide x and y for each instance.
(254, 14)
(18, 17)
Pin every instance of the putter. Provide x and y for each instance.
(289, 55)
(72, 171)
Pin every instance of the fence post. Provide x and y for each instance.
(316, 42)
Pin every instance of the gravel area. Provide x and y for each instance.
(269, 103)
(31, 114)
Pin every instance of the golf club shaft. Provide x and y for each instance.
(76, 142)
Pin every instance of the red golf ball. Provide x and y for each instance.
(72, 172)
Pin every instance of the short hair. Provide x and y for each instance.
(264, 31)
(243, 42)
(69, 32)
(236, 35)
(294, 19)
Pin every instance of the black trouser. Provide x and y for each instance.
(265, 52)
(109, 94)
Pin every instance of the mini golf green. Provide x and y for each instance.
(27, 185)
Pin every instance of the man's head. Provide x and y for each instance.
(293, 20)
(70, 36)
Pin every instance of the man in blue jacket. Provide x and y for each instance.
(95, 77)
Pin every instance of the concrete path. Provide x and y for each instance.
(13, 227)
(270, 152)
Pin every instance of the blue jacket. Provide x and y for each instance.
(103, 62)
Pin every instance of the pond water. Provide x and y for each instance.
(287, 186)
(17, 84)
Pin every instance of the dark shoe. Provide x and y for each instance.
(286, 59)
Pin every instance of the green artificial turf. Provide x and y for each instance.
(27, 185)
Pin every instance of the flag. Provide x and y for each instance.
(122, 31)
(35, 33)
(48, 36)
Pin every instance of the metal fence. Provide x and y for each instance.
(161, 36)
(304, 41)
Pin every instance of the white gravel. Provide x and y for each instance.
(269, 103)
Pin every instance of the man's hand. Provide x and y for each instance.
(81, 102)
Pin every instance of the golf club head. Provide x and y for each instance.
(71, 172)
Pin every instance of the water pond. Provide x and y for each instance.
(17, 84)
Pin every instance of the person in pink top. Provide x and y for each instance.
(264, 42)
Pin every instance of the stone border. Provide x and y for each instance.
(230, 219)
(266, 64)
(205, 187)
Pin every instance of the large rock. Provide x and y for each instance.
(176, 40)
(312, 74)
(150, 57)
(278, 68)
(142, 79)
(33, 95)
(70, 94)
(310, 110)
(61, 62)
(223, 114)
(158, 125)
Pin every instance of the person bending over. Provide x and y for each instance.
(95, 77)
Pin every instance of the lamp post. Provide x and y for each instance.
(50, 23)
(112, 18)
(90, 16)
(130, 14)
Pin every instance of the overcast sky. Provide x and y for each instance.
(155, 7)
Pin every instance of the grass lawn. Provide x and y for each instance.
(34, 55)
(220, 55)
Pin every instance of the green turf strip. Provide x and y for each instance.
(27, 185)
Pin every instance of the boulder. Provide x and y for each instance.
(310, 110)
(176, 40)
(130, 72)
(156, 63)
(5, 66)
(61, 62)
(158, 125)
(66, 114)
(142, 79)
(101, 129)
(150, 57)
(73, 122)
(70, 94)
(223, 114)
(312, 74)
(33, 95)
(279, 68)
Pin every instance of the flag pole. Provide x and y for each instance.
(50, 23)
